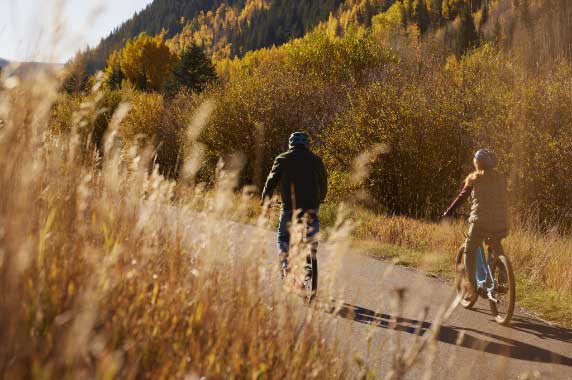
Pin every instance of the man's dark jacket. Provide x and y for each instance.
(302, 177)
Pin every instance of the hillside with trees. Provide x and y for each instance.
(231, 26)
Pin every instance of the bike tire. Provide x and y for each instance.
(312, 285)
(502, 263)
(460, 276)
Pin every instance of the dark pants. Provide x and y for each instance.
(288, 218)
(475, 238)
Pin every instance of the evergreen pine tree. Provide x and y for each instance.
(467, 37)
(193, 71)
(77, 77)
(386, 4)
(408, 10)
(421, 15)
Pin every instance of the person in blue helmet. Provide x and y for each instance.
(489, 210)
(302, 178)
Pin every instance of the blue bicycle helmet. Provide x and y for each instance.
(487, 158)
(298, 138)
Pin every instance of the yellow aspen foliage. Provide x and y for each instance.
(388, 23)
(146, 61)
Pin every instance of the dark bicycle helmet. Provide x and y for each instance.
(487, 158)
(298, 138)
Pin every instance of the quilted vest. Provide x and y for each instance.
(489, 209)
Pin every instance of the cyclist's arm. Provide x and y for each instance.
(462, 197)
(273, 178)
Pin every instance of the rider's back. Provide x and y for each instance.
(489, 208)
(303, 180)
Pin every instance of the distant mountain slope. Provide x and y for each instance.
(236, 25)
(27, 68)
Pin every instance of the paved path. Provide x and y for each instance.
(470, 344)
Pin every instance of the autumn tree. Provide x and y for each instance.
(113, 75)
(193, 71)
(146, 61)
(390, 22)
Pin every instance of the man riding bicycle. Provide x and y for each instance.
(488, 217)
(303, 186)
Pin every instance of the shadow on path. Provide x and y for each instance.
(459, 336)
(535, 327)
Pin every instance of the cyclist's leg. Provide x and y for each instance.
(496, 244)
(283, 235)
(474, 239)
(498, 250)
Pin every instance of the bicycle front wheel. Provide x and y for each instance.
(505, 291)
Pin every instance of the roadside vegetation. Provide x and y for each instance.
(100, 278)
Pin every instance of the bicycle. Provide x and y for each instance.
(495, 280)
(303, 241)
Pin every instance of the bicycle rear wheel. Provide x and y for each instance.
(461, 280)
(311, 282)
(504, 292)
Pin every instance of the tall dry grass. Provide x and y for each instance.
(541, 256)
(101, 278)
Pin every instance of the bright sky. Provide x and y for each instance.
(53, 30)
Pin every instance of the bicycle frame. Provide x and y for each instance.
(484, 273)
